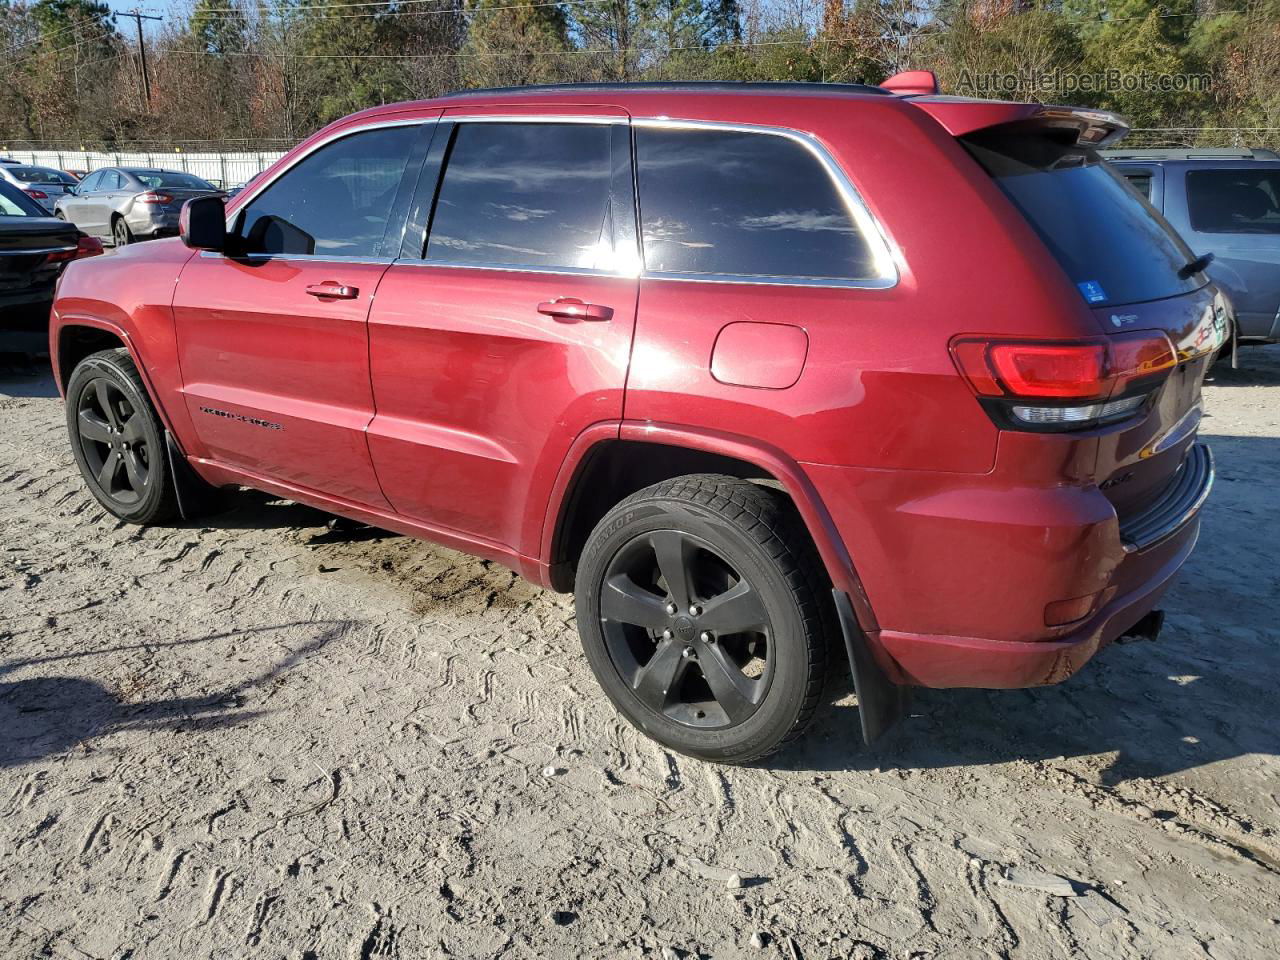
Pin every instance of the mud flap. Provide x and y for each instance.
(195, 497)
(881, 702)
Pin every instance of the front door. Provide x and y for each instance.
(273, 339)
(508, 333)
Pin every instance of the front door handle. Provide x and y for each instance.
(571, 308)
(333, 291)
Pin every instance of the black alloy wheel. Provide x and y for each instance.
(118, 440)
(113, 442)
(684, 628)
(705, 613)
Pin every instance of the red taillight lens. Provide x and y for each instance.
(36, 194)
(160, 198)
(1069, 370)
(88, 247)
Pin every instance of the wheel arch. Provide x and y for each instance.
(611, 467)
(79, 337)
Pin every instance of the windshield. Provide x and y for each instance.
(170, 179)
(1110, 241)
(15, 203)
(40, 175)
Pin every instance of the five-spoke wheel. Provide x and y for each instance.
(117, 438)
(701, 612)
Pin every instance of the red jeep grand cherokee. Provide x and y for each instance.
(747, 367)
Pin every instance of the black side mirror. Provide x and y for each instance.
(203, 223)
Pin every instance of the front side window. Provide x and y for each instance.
(525, 194)
(90, 183)
(333, 202)
(1234, 201)
(743, 204)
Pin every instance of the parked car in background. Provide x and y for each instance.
(42, 184)
(759, 371)
(34, 249)
(1224, 202)
(78, 174)
(124, 204)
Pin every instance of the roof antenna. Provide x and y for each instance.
(912, 83)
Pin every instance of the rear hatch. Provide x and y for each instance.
(1132, 270)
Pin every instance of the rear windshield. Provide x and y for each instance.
(1110, 241)
(15, 203)
(171, 179)
(40, 175)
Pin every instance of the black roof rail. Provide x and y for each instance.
(682, 86)
(1192, 153)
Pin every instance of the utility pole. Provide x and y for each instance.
(138, 17)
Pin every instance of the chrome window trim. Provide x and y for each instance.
(597, 119)
(251, 194)
(301, 257)
(883, 252)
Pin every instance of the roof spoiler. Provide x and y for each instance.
(961, 115)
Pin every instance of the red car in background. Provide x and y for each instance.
(758, 371)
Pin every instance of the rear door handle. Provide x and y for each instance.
(571, 308)
(333, 291)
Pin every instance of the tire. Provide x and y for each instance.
(110, 415)
(121, 235)
(737, 673)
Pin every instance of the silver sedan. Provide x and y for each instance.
(124, 204)
(44, 185)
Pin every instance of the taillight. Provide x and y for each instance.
(85, 247)
(1063, 385)
(160, 198)
(36, 194)
(88, 247)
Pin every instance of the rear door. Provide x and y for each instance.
(501, 338)
(273, 340)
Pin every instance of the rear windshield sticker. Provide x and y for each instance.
(1092, 291)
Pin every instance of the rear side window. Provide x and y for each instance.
(1234, 201)
(743, 204)
(524, 194)
(333, 202)
(1113, 245)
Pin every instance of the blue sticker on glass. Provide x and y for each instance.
(1092, 291)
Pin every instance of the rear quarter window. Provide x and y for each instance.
(1234, 201)
(744, 204)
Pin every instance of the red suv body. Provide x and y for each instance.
(967, 353)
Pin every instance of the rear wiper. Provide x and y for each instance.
(1195, 266)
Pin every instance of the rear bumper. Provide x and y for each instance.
(937, 661)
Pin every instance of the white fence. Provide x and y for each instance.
(221, 169)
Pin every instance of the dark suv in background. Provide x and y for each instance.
(1224, 202)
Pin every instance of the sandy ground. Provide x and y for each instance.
(257, 738)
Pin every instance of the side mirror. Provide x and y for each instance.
(203, 223)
